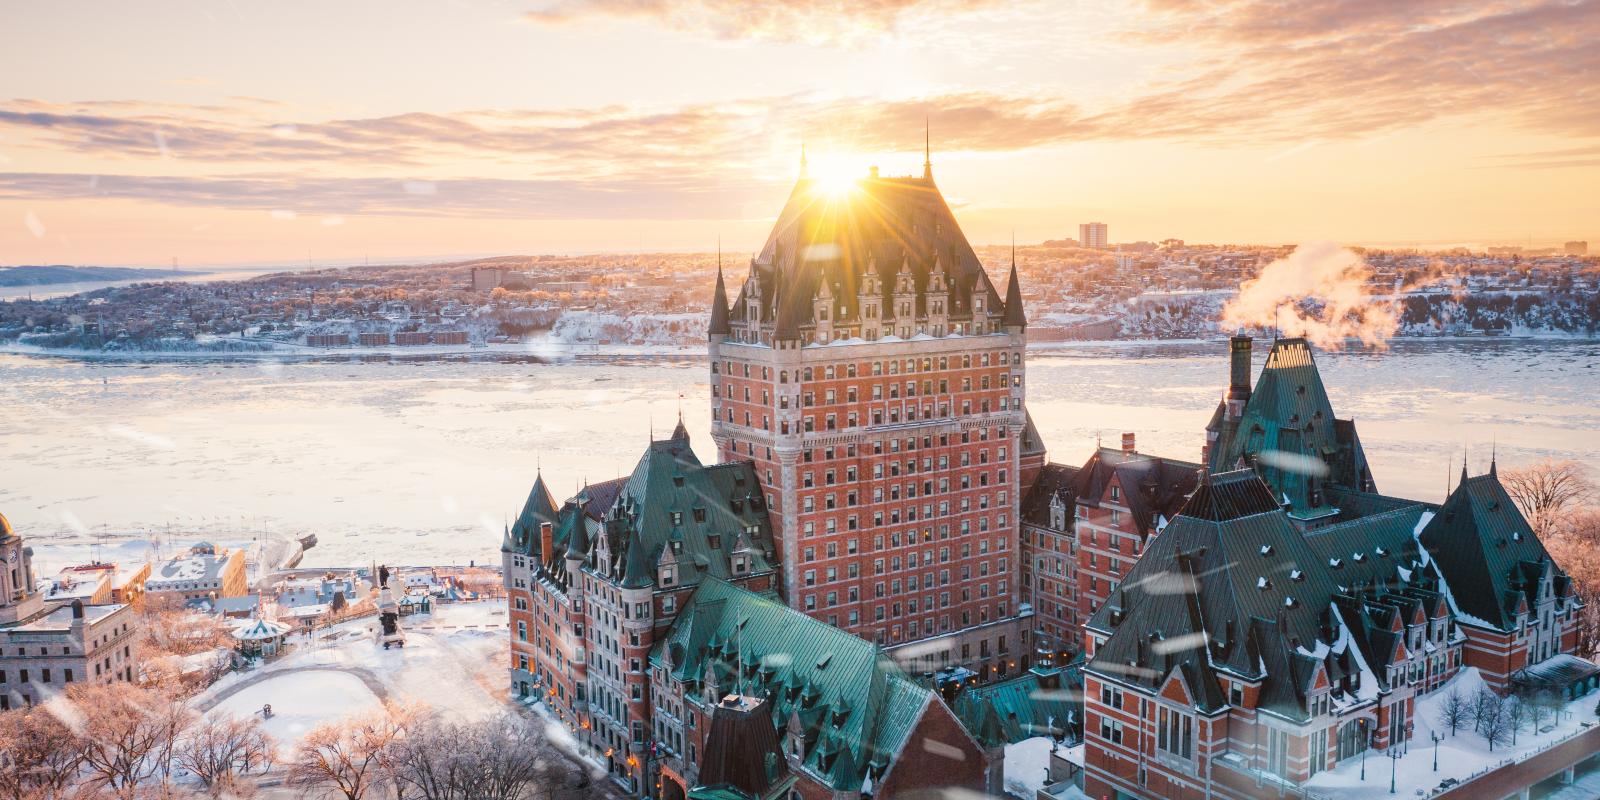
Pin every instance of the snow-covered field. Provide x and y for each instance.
(1460, 756)
(451, 662)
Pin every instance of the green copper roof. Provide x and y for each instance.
(1035, 703)
(1480, 540)
(1288, 423)
(854, 706)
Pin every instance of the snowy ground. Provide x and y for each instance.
(451, 662)
(300, 701)
(1027, 764)
(1460, 756)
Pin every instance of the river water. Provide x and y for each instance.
(423, 461)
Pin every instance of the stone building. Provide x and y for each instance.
(46, 647)
(205, 573)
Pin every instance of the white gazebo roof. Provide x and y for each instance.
(257, 630)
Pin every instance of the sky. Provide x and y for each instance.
(223, 133)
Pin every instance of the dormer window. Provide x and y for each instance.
(677, 518)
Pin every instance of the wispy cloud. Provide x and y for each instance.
(290, 196)
(780, 20)
(1348, 67)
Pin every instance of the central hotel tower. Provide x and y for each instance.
(873, 376)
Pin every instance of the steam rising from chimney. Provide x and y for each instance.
(1334, 281)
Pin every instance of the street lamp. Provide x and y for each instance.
(1436, 740)
(1394, 760)
(1366, 742)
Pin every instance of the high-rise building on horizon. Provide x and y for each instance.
(1576, 248)
(873, 375)
(1092, 234)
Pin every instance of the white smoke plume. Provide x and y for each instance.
(1322, 276)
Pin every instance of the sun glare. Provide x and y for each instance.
(834, 177)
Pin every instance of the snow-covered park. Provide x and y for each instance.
(1460, 756)
(451, 662)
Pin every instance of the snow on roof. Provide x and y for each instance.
(256, 630)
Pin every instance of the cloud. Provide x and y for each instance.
(1346, 68)
(290, 196)
(814, 21)
(567, 143)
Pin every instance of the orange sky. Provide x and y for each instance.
(135, 133)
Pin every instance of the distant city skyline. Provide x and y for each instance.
(137, 133)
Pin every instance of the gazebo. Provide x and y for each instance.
(260, 637)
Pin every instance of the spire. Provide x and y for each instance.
(719, 301)
(1014, 317)
(927, 150)
(680, 432)
(1493, 446)
(803, 175)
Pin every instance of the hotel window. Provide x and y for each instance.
(1175, 733)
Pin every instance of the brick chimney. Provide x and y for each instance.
(1128, 445)
(1238, 376)
(547, 541)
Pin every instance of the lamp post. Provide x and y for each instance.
(1366, 742)
(1394, 761)
(1436, 740)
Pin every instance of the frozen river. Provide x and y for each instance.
(423, 461)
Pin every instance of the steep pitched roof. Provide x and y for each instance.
(1054, 480)
(539, 507)
(1230, 584)
(1487, 551)
(1015, 316)
(672, 508)
(855, 708)
(719, 307)
(1152, 487)
(1288, 433)
(830, 239)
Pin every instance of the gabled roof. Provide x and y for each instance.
(1152, 487)
(1231, 584)
(855, 707)
(1487, 552)
(1054, 480)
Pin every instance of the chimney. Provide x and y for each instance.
(547, 541)
(1238, 375)
(1128, 445)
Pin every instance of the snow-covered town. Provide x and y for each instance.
(800, 400)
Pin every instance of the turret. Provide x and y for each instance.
(1015, 319)
(719, 327)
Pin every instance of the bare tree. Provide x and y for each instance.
(128, 734)
(348, 756)
(1454, 710)
(1485, 704)
(222, 749)
(1494, 723)
(1547, 489)
(39, 755)
(1519, 714)
(498, 758)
